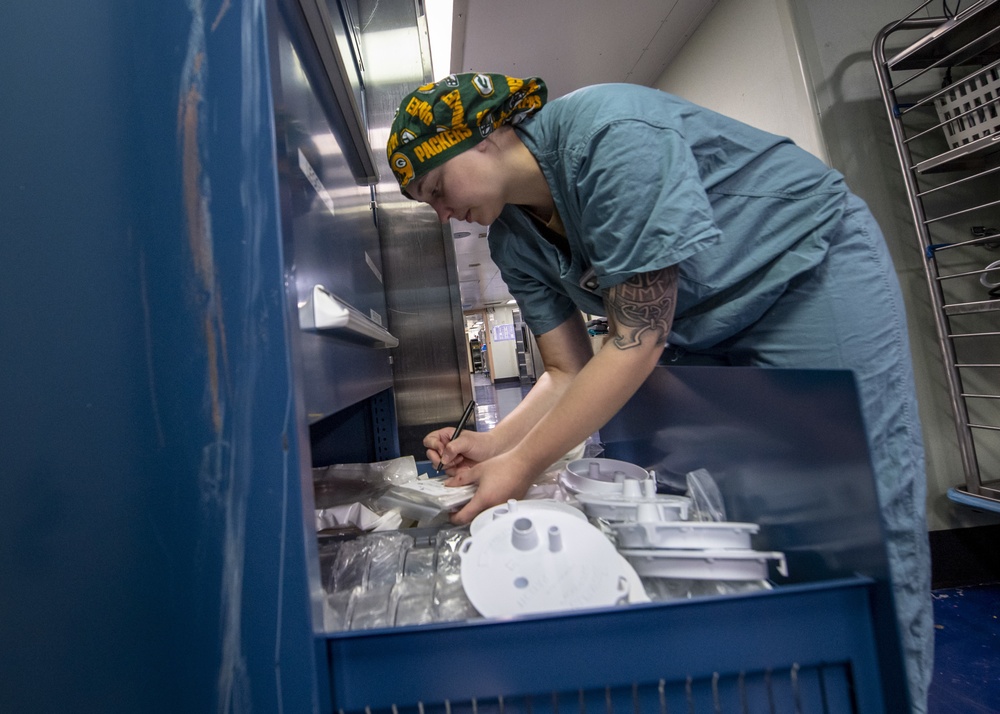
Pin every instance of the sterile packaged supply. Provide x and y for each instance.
(389, 579)
(706, 499)
(345, 484)
(356, 515)
(425, 500)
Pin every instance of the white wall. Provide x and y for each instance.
(505, 351)
(803, 69)
(743, 62)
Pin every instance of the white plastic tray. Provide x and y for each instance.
(684, 534)
(598, 475)
(718, 564)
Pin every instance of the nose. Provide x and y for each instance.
(443, 212)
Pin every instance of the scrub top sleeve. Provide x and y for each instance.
(642, 203)
(543, 308)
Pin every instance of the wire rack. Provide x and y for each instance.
(941, 95)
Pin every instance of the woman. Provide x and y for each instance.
(702, 240)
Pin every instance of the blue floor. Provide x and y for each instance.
(967, 651)
(967, 619)
(493, 403)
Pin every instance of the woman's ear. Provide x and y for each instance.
(497, 138)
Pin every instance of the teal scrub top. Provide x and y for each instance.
(643, 180)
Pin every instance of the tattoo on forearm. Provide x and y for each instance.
(642, 304)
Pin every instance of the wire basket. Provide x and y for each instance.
(970, 110)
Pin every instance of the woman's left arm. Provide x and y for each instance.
(640, 314)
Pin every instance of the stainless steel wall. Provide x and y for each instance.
(432, 382)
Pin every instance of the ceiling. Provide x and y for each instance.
(569, 45)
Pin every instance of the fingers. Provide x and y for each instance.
(434, 457)
(435, 442)
(461, 477)
(452, 463)
(468, 512)
(452, 452)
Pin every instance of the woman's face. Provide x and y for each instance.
(466, 187)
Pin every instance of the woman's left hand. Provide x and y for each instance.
(500, 479)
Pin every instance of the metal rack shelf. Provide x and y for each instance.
(969, 308)
(941, 96)
(955, 40)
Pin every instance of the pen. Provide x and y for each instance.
(458, 429)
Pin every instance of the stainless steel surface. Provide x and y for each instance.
(324, 311)
(328, 230)
(431, 375)
(337, 73)
(964, 362)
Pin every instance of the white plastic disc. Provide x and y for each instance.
(513, 507)
(544, 561)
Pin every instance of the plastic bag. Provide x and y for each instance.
(706, 499)
(357, 515)
(344, 484)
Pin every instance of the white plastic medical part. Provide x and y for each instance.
(655, 507)
(544, 561)
(600, 476)
(524, 507)
(705, 564)
(684, 534)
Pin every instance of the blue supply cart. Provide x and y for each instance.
(788, 450)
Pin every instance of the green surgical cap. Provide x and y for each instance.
(440, 120)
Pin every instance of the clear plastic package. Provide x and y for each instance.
(448, 560)
(336, 615)
(426, 501)
(369, 609)
(706, 499)
(413, 601)
(350, 569)
(451, 604)
(344, 484)
(387, 552)
(419, 562)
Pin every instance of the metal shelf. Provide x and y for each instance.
(955, 41)
(967, 308)
(974, 155)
